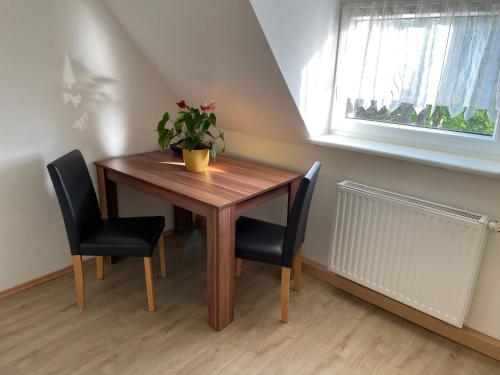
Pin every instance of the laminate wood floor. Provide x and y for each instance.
(329, 331)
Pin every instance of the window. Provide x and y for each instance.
(431, 66)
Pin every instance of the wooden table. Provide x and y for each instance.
(228, 187)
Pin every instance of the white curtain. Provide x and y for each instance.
(421, 52)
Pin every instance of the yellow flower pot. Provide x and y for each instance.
(196, 160)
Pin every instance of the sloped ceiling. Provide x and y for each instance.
(215, 50)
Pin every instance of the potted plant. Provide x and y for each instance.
(191, 131)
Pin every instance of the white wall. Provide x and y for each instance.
(303, 37)
(300, 37)
(215, 50)
(475, 193)
(122, 96)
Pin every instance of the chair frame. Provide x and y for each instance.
(293, 245)
(286, 274)
(86, 211)
(148, 273)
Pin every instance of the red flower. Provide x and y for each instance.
(182, 104)
(208, 107)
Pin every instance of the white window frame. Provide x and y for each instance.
(446, 141)
(452, 142)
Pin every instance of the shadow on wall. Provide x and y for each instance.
(96, 100)
(82, 86)
(31, 224)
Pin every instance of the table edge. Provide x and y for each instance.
(219, 207)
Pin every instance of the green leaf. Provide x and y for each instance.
(164, 135)
(190, 143)
(190, 127)
(204, 128)
(161, 141)
(213, 149)
(180, 118)
(212, 119)
(164, 140)
(198, 120)
(178, 127)
(161, 126)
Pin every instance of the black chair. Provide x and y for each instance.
(275, 244)
(88, 234)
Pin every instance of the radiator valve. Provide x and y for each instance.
(494, 226)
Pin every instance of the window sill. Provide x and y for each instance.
(485, 167)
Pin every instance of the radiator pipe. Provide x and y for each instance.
(493, 226)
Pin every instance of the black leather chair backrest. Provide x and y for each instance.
(297, 220)
(76, 196)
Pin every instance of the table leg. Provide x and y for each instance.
(183, 220)
(108, 199)
(220, 267)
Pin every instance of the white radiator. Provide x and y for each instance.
(420, 253)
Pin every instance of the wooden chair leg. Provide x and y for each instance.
(79, 286)
(99, 261)
(148, 271)
(285, 289)
(239, 266)
(297, 266)
(161, 252)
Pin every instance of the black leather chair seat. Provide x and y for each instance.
(133, 236)
(260, 241)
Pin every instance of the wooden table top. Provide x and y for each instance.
(227, 180)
